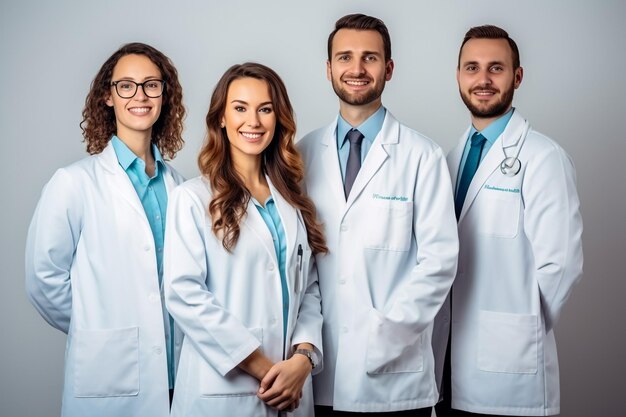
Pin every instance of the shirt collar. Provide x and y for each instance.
(495, 128)
(369, 128)
(126, 157)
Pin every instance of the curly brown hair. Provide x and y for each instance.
(281, 161)
(99, 125)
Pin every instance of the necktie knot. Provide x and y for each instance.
(355, 137)
(477, 139)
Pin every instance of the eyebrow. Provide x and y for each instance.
(348, 52)
(245, 102)
(488, 64)
(148, 78)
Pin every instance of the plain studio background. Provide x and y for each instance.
(573, 89)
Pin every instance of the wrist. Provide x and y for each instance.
(309, 355)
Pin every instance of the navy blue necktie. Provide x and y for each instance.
(354, 159)
(471, 165)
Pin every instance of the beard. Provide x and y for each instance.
(359, 99)
(493, 110)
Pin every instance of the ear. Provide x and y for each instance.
(222, 123)
(519, 75)
(108, 100)
(389, 69)
(329, 73)
(458, 74)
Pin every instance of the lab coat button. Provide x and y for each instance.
(342, 281)
(344, 228)
(153, 297)
(146, 248)
(270, 267)
(344, 329)
(157, 350)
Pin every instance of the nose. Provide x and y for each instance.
(357, 67)
(484, 78)
(140, 94)
(253, 119)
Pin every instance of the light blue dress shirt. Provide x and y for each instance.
(153, 196)
(271, 217)
(369, 129)
(491, 133)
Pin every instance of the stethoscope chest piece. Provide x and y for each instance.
(511, 166)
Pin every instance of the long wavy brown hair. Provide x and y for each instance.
(281, 162)
(99, 125)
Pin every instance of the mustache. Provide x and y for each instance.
(484, 89)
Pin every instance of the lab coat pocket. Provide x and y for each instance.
(391, 349)
(389, 225)
(106, 362)
(301, 269)
(235, 383)
(507, 342)
(499, 213)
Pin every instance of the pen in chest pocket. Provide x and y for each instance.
(299, 269)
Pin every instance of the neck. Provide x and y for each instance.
(480, 123)
(139, 144)
(355, 115)
(249, 170)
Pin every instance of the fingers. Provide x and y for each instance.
(268, 380)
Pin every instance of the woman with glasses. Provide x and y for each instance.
(95, 245)
(239, 273)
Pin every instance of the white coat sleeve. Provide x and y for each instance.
(553, 225)
(220, 338)
(309, 322)
(421, 295)
(50, 246)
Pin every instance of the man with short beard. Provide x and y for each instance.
(383, 194)
(520, 246)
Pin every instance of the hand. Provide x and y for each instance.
(281, 387)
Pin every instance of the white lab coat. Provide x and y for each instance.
(229, 304)
(91, 272)
(519, 257)
(393, 252)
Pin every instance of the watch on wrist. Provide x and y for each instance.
(311, 356)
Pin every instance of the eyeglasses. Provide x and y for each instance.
(128, 88)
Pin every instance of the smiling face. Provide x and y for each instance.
(249, 119)
(357, 67)
(487, 78)
(135, 116)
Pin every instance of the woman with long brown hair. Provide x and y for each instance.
(240, 277)
(94, 249)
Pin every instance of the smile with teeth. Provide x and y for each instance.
(251, 135)
(357, 83)
(139, 110)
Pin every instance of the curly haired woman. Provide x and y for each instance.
(95, 244)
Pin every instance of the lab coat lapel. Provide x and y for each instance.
(493, 159)
(330, 164)
(168, 178)
(121, 183)
(454, 159)
(389, 135)
(255, 222)
(289, 218)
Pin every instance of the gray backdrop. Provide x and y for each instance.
(574, 84)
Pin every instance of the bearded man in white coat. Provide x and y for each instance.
(520, 246)
(382, 193)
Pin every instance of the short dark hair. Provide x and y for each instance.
(360, 21)
(491, 32)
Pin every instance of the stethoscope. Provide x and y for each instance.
(511, 165)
